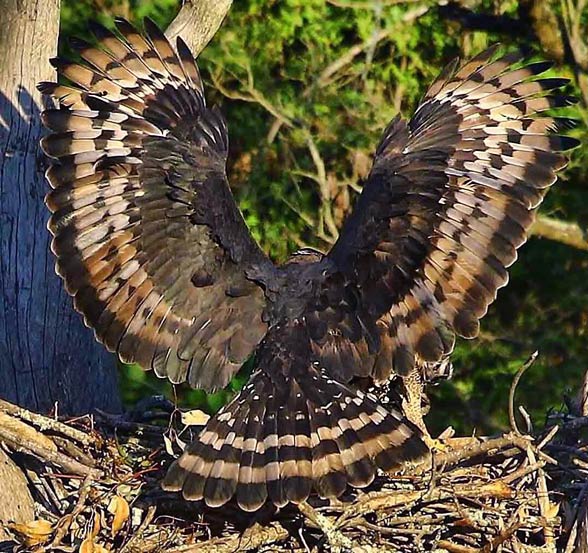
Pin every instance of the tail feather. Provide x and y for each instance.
(295, 466)
(224, 474)
(251, 488)
(273, 469)
(303, 484)
(280, 444)
(359, 467)
(328, 473)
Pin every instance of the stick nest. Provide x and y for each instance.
(94, 485)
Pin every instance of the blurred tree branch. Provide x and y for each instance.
(567, 233)
(545, 25)
(197, 22)
(462, 13)
(577, 41)
(359, 5)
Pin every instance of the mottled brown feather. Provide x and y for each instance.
(137, 157)
(460, 182)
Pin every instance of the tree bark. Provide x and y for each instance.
(197, 22)
(46, 353)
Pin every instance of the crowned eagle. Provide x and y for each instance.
(153, 248)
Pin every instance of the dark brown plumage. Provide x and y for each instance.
(154, 250)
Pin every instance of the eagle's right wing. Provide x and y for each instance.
(148, 237)
(450, 198)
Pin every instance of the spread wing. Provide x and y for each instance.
(147, 235)
(450, 198)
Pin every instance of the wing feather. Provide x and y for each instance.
(450, 198)
(148, 237)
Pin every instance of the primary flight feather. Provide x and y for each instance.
(151, 245)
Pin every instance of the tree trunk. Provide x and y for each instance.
(46, 353)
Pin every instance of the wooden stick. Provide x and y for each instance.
(66, 522)
(252, 539)
(46, 423)
(21, 441)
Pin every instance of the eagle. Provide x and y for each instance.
(152, 246)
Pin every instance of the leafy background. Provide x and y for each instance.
(307, 87)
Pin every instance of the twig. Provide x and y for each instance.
(326, 204)
(66, 522)
(456, 548)
(18, 441)
(513, 388)
(253, 538)
(119, 423)
(149, 516)
(328, 527)
(501, 538)
(471, 451)
(581, 505)
(252, 96)
(548, 437)
(543, 501)
(574, 424)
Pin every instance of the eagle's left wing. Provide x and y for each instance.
(450, 198)
(148, 237)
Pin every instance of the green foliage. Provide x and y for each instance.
(274, 54)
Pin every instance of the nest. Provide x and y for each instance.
(94, 486)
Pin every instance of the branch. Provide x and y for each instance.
(21, 437)
(570, 234)
(546, 26)
(349, 56)
(326, 204)
(253, 95)
(254, 537)
(482, 21)
(511, 396)
(358, 5)
(325, 76)
(45, 423)
(575, 34)
(197, 22)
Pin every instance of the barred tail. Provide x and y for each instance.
(280, 442)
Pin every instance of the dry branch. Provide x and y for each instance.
(252, 539)
(21, 437)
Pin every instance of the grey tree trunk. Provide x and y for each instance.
(46, 353)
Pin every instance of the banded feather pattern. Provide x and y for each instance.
(450, 198)
(280, 442)
(148, 238)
